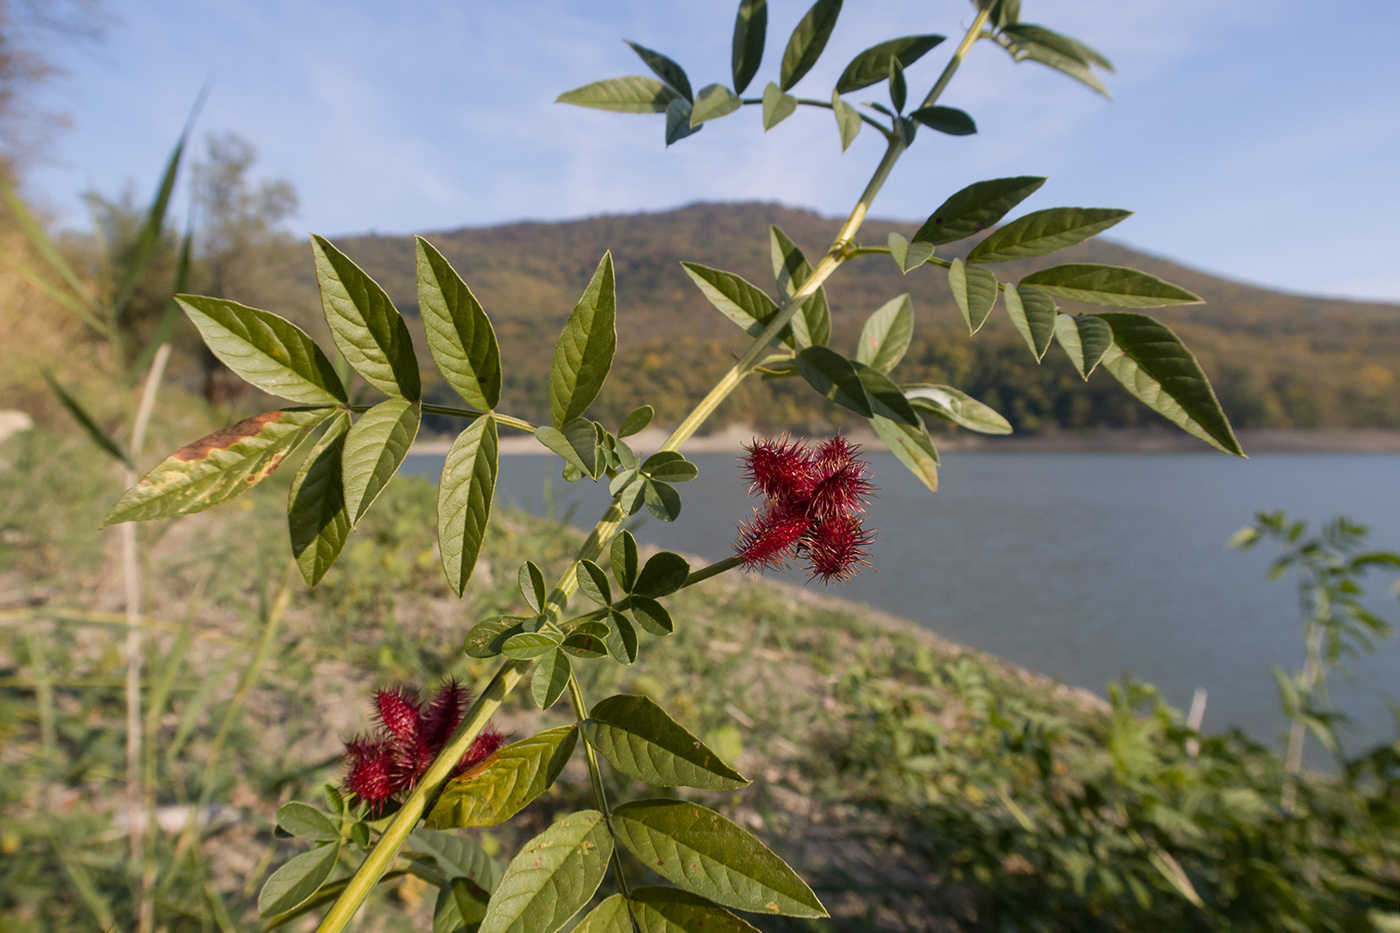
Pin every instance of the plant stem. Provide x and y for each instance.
(518, 423)
(973, 33)
(600, 795)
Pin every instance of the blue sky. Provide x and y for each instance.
(1259, 139)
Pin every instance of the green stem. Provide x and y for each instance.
(714, 570)
(600, 795)
(973, 33)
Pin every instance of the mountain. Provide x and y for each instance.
(1276, 359)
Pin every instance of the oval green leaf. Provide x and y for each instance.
(369, 331)
(872, 65)
(526, 646)
(1042, 232)
(593, 582)
(488, 637)
(461, 905)
(777, 106)
(550, 678)
(912, 446)
(299, 879)
(665, 69)
(374, 450)
(1155, 366)
(464, 499)
(678, 121)
(713, 101)
(641, 740)
(215, 468)
(611, 916)
(664, 573)
(811, 325)
(662, 499)
(886, 398)
(956, 406)
(750, 34)
(1116, 286)
(652, 615)
(741, 301)
(531, 580)
(886, 334)
(460, 336)
(265, 350)
(975, 291)
(636, 420)
(584, 354)
(832, 375)
(588, 647)
(306, 822)
(847, 120)
(807, 41)
(706, 854)
(632, 94)
(621, 638)
(577, 442)
(908, 256)
(1086, 339)
(1033, 313)
(552, 877)
(316, 514)
(948, 120)
(505, 783)
(670, 466)
(457, 857)
(671, 910)
(976, 208)
(624, 560)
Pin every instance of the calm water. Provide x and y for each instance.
(1081, 566)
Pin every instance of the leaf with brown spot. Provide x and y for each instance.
(214, 469)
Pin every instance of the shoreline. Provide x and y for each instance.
(732, 439)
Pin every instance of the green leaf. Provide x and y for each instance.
(899, 88)
(713, 101)
(316, 514)
(554, 875)
(908, 256)
(550, 678)
(638, 738)
(1042, 232)
(661, 500)
(886, 334)
(832, 375)
(584, 354)
(461, 905)
(369, 331)
(588, 647)
(807, 41)
(215, 468)
(532, 587)
(670, 466)
(1085, 338)
(652, 616)
(1154, 365)
(593, 582)
(811, 325)
(886, 399)
(741, 301)
(708, 855)
(632, 94)
(948, 120)
(621, 638)
(975, 291)
(975, 208)
(1033, 313)
(1056, 55)
(464, 499)
(99, 437)
(374, 449)
(488, 637)
(576, 442)
(671, 910)
(1072, 48)
(637, 419)
(505, 783)
(872, 66)
(750, 33)
(611, 916)
(265, 351)
(678, 121)
(1115, 286)
(912, 446)
(624, 560)
(956, 406)
(527, 646)
(297, 880)
(460, 336)
(847, 120)
(664, 573)
(306, 822)
(664, 68)
(777, 106)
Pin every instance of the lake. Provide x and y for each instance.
(1082, 566)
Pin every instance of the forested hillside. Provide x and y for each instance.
(1277, 360)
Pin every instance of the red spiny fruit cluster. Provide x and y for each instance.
(390, 761)
(813, 503)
